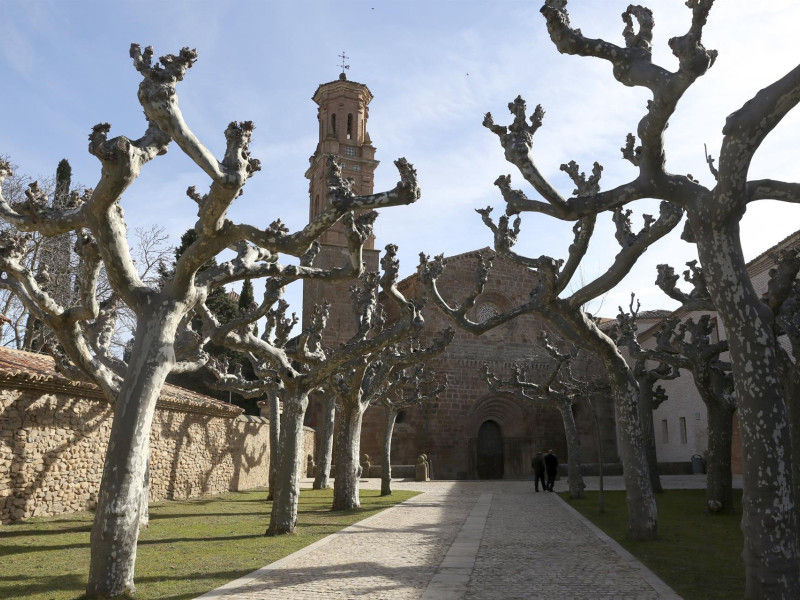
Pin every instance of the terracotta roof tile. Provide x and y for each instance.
(26, 369)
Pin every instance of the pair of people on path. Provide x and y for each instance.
(545, 465)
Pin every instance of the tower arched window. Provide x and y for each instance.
(350, 126)
(333, 125)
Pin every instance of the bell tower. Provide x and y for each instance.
(342, 116)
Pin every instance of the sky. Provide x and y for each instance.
(435, 67)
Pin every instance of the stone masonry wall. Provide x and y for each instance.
(52, 447)
(447, 429)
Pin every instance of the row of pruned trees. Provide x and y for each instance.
(166, 340)
(357, 373)
(763, 373)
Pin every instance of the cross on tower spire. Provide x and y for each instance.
(344, 65)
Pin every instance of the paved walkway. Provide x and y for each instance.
(476, 540)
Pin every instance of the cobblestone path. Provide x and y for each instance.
(471, 540)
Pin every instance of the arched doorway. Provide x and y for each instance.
(490, 451)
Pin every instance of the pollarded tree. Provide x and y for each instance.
(559, 389)
(651, 396)
(301, 364)
(771, 544)
(358, 385)
(688, 346)
(359, 382)
(783, 298)
(277, 331)
(771, 554)
(325, 449)
(405, 388)
(163, 342)
(566, 315)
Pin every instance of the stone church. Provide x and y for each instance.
(469, 432)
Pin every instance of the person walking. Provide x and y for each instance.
(538, 470)
(551, 466)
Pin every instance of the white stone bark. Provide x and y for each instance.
(97, 219)
(348, 450)
(116, 525)
(386, 454)
(322, 478)
(648, 431)
(287, 492)
(768, 506)
(274, 439)
(575, 479)
(640, 499)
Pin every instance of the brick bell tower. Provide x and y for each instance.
(342, 115)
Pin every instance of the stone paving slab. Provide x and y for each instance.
(461, 540)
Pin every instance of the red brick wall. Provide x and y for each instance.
(446, 429)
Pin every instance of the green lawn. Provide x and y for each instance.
(697, 554)
(190, 547)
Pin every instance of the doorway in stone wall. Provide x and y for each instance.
(490, 451)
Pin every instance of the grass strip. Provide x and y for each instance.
(190, 547)
(697, 554)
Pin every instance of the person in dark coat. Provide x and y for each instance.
(538, 471)
(551, 466)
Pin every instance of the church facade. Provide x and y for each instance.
(468, 432)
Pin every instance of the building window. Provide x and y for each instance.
(349, 151)
(333, 125)
(350, 126)
(664, 432)
(356, 167)
(715, 331)
(486, 311)
(401, 416)
(684, 438)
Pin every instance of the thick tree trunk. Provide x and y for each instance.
(322, 480)
(648, 433)
(575, 326)
(274, 440)
(348, 447)
(719, 488)
(772, 568)
(287, 489)
(116, 524)
(642, 509)
(791, 387)
(576, 485)
(144, 511)
(386, 456)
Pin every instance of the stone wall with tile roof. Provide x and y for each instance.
(53, 435)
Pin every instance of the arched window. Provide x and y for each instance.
(350, 126)
(317, 207)
(486, 311)
(333, 124)
(401, 416)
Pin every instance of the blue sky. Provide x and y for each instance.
(434, 67)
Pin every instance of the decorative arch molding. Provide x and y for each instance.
(500, 408)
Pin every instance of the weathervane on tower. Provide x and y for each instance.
(344, 66)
